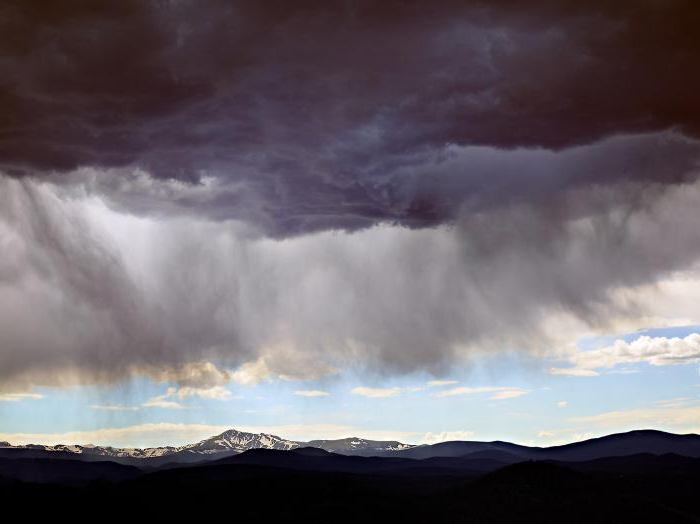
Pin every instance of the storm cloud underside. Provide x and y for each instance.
(393, 187)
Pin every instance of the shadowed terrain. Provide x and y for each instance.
(314, 485)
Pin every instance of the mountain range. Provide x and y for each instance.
(639, 476)
(233, 442)
(230, 442)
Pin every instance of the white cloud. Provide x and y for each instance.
(252, 372)
(509, 393)
(311, 393)
(446, 436)
(657, 351)
(562, 404)
(573, 372)
(438, 383)
(16, 397)
(288, 363)
(165, 400)
(498, 392)
(376, 392)
(161, 401)
(216, 392)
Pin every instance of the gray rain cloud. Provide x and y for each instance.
(106, 295)
(388, 186)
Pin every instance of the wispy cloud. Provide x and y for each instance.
(573, 372)
(622, 371)
(161, 402)
(376, 392)
(498, 392)
(673, 415)
(311, 393)
(216, 392)
(114, 407)
(17, 397)
(509, 393)
(675, 402)
(438, 383)
(562, 404)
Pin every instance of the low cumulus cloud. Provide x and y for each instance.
(657, 351)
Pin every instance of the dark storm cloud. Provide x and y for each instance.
(546, 155)
(324, 115)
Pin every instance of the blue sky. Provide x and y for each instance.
(538, 408)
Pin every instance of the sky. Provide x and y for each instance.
(397, 220)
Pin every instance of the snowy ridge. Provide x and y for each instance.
(239, 441)
(229, 442)
(356, 445)
(105, 451)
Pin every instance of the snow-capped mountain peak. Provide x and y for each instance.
(230, 442)
(233, 440)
